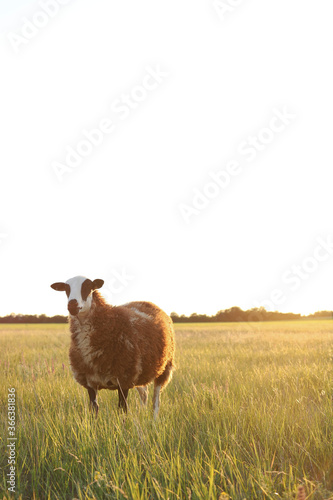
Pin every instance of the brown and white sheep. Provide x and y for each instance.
(117, 347)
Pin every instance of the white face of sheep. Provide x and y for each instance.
(79, 292)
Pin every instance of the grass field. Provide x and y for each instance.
(248, 414)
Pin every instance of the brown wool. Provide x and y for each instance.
(122, 346)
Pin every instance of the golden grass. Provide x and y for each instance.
(248, 414)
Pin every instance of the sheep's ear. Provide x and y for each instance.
(60, 287)
(97, 284)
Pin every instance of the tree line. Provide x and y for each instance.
(32, 318)
(233, 314)
(236, 314)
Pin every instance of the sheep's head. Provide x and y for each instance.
(79, 293)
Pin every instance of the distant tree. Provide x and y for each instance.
(321, 314)
(175, 317)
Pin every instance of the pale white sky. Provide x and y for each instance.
(185, 93)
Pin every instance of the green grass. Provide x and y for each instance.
(248, 414)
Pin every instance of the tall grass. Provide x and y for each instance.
(248, 414)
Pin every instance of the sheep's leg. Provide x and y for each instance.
(122, 395)
(93, 400)
(156, 399)
(143, 391)
(159, 383)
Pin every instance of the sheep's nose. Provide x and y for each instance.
(73, 307)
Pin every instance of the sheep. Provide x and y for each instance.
(117, 347)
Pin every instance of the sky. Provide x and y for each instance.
(181, 151)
